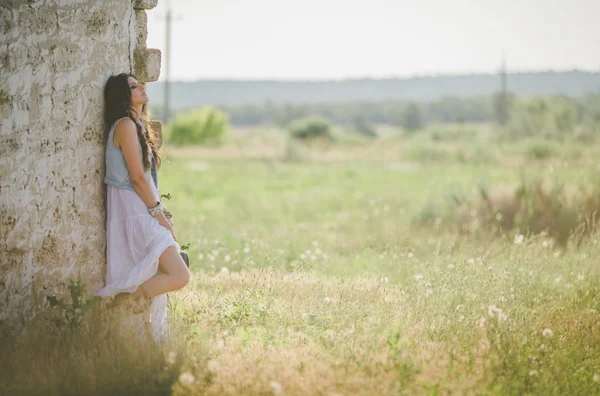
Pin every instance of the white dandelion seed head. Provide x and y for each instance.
(327, 300)
(557, 280)
(411, 255)
(224, 270)
(186, 379)
(313, 257)
(220, 344)
(481, 321)
(471, 261)
(213, 366)
(385, 279)
(275, 388)
(543, 348)
(246, 249)
(596, 378)
(519, 239)
(227, 258)
(580, 277)
(419, 276)
(533, 373)
(171, 357)
(547, 333)
(387, 299)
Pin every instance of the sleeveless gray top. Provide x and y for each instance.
(117, 174)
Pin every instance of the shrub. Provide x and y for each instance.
(201, 126)
(540, 150)
(310, 129)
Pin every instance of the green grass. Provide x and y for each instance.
(315, 277)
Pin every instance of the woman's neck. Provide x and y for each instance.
(137, 112)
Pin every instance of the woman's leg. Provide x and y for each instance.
(173, 274)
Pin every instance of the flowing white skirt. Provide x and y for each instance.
(134, 242)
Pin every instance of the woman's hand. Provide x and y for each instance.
(163, 221)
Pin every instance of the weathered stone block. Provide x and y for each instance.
(147, 64)
(145, 4)
(156, 129)
(141, 27)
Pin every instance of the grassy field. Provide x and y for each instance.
(324, 275)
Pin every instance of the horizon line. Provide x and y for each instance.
(380, 78)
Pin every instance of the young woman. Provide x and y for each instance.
(143, 257)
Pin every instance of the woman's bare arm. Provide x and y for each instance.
(127, 140)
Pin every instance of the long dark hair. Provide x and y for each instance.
(117, 104)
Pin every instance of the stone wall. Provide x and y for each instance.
(55, 57)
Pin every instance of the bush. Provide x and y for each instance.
(201, 126)
(540, 150)
(309, 129)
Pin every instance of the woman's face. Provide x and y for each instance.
(138, 93)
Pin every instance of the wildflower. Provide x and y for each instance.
(187, 379)
(246, 249)
(220, 344)
(533, 373)
(387, 299)
(419, 276)
(275, 388)
(495, 312)
(171, 358)
(213, 366)
(327, 300)
(547, 333)
(224, 270)
(519, 239)
(471, 261)
(227, 258)
(385, 279)
(557, 280)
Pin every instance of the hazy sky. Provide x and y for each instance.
(334, 39)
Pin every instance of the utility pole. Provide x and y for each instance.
(503, 93)
(167, 65)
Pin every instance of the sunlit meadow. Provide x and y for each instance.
(338, 271)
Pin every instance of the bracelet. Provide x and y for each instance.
(158, 209)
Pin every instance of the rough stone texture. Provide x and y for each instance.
(145, 4)
(156, 128)
(147, 64)
(55, 58)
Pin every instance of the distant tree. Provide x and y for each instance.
(361, 126)
(314, 128)
(412, 118)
